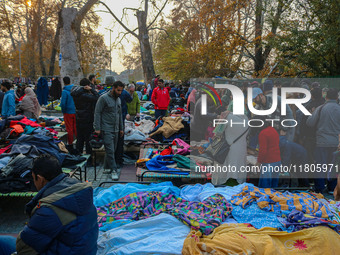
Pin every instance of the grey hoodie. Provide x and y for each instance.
(108, 114)
(328, 127)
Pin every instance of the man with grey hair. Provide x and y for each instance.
(134, 105)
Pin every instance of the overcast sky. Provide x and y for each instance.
(131, 22)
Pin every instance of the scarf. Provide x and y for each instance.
(30, 103)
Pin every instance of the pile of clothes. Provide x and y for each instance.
(170, 128)
(28, 141)
(197, 219)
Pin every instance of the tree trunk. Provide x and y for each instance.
(68, 46)
(55, 47)
(145, 47)
(40, 45)
(259, 62)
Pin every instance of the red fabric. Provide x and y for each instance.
(6, 149)
(269, 151)
(17, 129)
(25, 121)
(167, 151)
(70, 123)
(168, 88)
(160, 98)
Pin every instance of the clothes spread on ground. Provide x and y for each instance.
(271, 200)
(44, 144)
(145, 126)
(199, 192)
(169, 127)
(183, 147)
(244, 239)
(161, 234)
(297, 220)
(115, 192)
(257, 217)
(204, 216)
(161, 163)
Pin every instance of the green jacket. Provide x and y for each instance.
(108, 114)
(134, 105)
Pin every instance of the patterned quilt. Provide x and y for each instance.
(204, 216)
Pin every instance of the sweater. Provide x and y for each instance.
(160, 98)
(269, 151)
(8, 104)
(328, 127)
(67, 103)
(134, 105)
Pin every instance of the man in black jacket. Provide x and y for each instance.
(85, 98)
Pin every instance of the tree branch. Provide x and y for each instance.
(82, 12)
(119, 21)
(158, 28)
(146, 6)
(160, 11)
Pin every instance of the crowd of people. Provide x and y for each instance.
(312, 142)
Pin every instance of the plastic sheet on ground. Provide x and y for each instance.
(162, 234)
(115, 192)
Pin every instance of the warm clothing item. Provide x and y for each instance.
(269, 151)
(328, 125)
(160, 113)
(183, 147)
(42, 91)
(160, 163)
(70, 123)
(269, 178)
(140, 95)
(84, 132)
(63, 220)
(8, 104)
(85, 103)
(125, 98)
(169, 127)
(67, 103)
(160, 98)
(174, 92)
(110, 143)
(119, 153)
(56, 89)
(134, 105)
(30, 104)
(323, 156)
(292, 153)
(108, 114)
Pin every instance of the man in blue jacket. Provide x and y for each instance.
(63, 219)
(69, 110)
(8, 103)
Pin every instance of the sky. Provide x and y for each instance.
(107, 21)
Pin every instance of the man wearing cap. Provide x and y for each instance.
(265, 102)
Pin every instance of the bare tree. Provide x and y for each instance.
(142, 36)
(70, 40)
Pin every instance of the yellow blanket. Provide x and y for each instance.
(244, 239)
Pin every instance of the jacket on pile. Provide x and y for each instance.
(170, 127)
(56, 90)
(108, 114)
(8, 104)
(85, 103)
(125, 98)
(160, 98)
(42, 91)
(63, 220)
(134, 105)
(67, 103)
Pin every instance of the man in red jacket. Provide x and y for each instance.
(161, 99)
